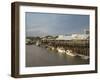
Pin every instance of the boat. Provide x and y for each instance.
(83, 56)
(70, 53)
(61, 50)
(51, 48)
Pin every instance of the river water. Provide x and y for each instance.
(38, 56)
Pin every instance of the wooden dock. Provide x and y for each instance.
(77, 46)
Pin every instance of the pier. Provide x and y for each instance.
(77, 46)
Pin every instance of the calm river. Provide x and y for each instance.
(38, 56)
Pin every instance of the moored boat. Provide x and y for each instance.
(83, 56)
(61, 50)
(69, 52)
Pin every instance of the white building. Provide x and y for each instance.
(62, 37)
(80, 36)
(73, 37)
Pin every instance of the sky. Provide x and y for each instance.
(42, 24)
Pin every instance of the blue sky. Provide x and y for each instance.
(42, 24)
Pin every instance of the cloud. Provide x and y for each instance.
(47, 23)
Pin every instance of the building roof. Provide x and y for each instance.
(64, 38)
(73, 37)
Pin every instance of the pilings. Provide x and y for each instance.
(77, 46)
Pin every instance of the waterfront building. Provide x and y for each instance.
(73, 37)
